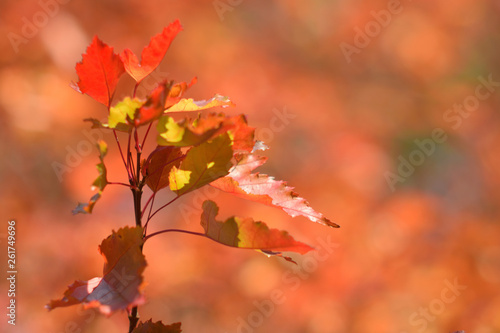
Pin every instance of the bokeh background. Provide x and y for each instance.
(420, 253)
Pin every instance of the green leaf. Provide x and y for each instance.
(188, 132)
(247, 234)
(122, 113)
(202, 165)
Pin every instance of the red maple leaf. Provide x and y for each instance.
(152, 54)
(98, 72)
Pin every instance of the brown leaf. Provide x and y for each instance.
(157, 167)
(122, 282)
(158, 327)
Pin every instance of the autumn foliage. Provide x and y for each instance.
(213, 149)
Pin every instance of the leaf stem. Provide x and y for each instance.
(152, 200)
(121, 153)
(135, 89)
(134, 178)
(138, 147)
(129, 170)
(165, 205)
(118, 183)
(146, 135)
(174, 230)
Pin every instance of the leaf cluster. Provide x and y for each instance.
(211, 149)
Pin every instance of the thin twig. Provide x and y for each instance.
(130, 171)
(146, 135)
(165, 205)
(118, 183)
(121, 153)
(174, 230)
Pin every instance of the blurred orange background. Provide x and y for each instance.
(347, 94)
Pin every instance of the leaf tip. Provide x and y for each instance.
(80, 209)
(330, 223)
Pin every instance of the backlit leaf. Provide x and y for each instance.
(157, 167)
(265, 189)
(177, 91)
(242, 134)
(246, 233)
(120, 114)
(190, 105)
(153, 108)
(99, 184)
(99, 72)
(202, 165)
(121, 286)
(158, 327)
(189, 132)
(152, 54)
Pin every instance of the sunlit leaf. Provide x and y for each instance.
(134, 112)
(158, 327)
(177, 91)
(120, 114)
(202, 165)
(153, 107)
(247, 234)
(265, 189)
(98, 72)
(191, 105)
(121, 285)
(157, 167)
(187, 132)
(241, 134)
(152, 54)
(99, 184)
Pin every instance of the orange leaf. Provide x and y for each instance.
(177, 91)
(153, 108)
(158, 327)
(247, 234)
(122, 282)
(152, 54)
(98, 72)
(265, 189)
